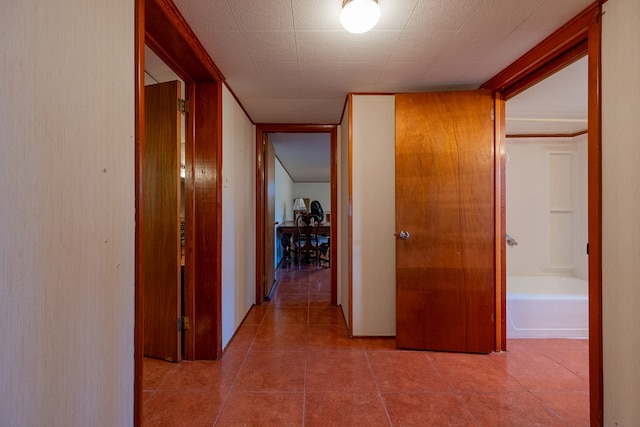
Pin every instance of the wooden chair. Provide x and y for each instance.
(324, 251)
(307, 243)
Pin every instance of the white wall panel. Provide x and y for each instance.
(238, 215)
(546, 206)
(621, 211)
(373, 269)
(284, 205)
(284, 194)
(67, 213)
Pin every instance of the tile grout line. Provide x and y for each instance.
(306, 357)
(529, 391)
(235, 379)
(453, 390)
(375, 380)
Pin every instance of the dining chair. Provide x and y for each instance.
(307, 240)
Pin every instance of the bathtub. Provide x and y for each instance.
(547, 307)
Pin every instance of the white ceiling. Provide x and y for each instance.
(305, 156)
(556, 105)
(290, 61)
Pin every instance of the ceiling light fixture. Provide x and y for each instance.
(359, 16)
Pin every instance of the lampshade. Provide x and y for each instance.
(359, 16)
(298, 205)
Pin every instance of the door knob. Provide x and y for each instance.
(404, 235)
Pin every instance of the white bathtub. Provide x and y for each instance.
(547, 307)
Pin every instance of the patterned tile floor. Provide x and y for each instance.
(291, 364)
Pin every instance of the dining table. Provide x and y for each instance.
(288, 232)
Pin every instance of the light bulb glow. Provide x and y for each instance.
(360, 16)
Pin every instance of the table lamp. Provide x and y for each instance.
(298, 206)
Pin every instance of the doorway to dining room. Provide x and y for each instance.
(293, 162)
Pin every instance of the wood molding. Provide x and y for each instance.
(547, 135)
(500, 223)
(238, 102)
(333, 234)
(344, 108)
(261, 129)
(548, 56)
(295, 127)
(207, 220)
(138, 330)
(596, 394)
(159, 25)
(189, 222)
(349, 208)
(260, 207)
(547, 70)
(168, 34)
(544, 57)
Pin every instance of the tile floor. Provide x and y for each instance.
(291, 364)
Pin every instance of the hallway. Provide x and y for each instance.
(292, 364)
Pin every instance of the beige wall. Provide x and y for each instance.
(238, 215)
(284, 205)
(320, 191)
(373, 210)
(546, 206)
(67, 213)
(621, 211)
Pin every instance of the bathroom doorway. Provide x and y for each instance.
(547, 234)
(546, 207)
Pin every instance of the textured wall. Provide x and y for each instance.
(621, 211)
(374, 247)
(67, 212)
(238, 215)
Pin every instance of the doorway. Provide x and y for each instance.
(302, 172)
(580, 36)
(283, 207)
(158, 27)
(546, 207)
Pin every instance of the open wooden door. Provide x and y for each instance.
(161, 236)
(269, 214)
(445, 269)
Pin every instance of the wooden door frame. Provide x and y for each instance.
(578, 37)
(261, 129)
(160, 26)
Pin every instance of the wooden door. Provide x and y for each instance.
(445, 275)
(161, 210)
(269, 214)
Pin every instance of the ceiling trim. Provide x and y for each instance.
(238, 102)
(558, 50)
(169, 35)
(547, 135)
(295, 128)
(547, 70)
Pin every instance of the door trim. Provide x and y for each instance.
(580, 36)
(159, 25)
(261, 129)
